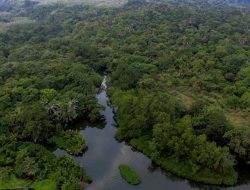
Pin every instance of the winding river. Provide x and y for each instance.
(105, 154)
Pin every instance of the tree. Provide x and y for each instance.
(239, 142)
(32, 123)
(67, 112)
(179, 141)
(212, 122)
(47, 95)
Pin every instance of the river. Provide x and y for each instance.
(105, 154)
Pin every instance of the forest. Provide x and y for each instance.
(178, 75)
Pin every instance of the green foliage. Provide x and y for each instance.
(233, 101)
(212, 122)
(162, 59)
(31, 122)
(245, 100)
(138, 112)
(239, 142)
(129, 175)
(71, 186)
(71, 141)
(34, 99)
(44, 185)
(9, 181)
(184, 167)
(180, 142)
(32, 165)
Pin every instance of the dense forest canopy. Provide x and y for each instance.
(179, 79)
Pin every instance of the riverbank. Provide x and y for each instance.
(105, 154)
(19, 173)
(184, 168)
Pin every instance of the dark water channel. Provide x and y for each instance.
(105, 154)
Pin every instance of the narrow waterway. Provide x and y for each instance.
(105, 154)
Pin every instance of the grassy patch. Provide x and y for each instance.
(129, 175)
(10, 181)
(238, 117)
(71, 141)
(14, 183)
(44, 185)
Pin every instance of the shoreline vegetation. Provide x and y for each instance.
(184, 168)
(173, 145)
(71, 141)
(179, 78)
(24, 163)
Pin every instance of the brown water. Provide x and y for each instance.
(105, 154)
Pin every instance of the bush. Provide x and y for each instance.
(245, 100)
(71, 141)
